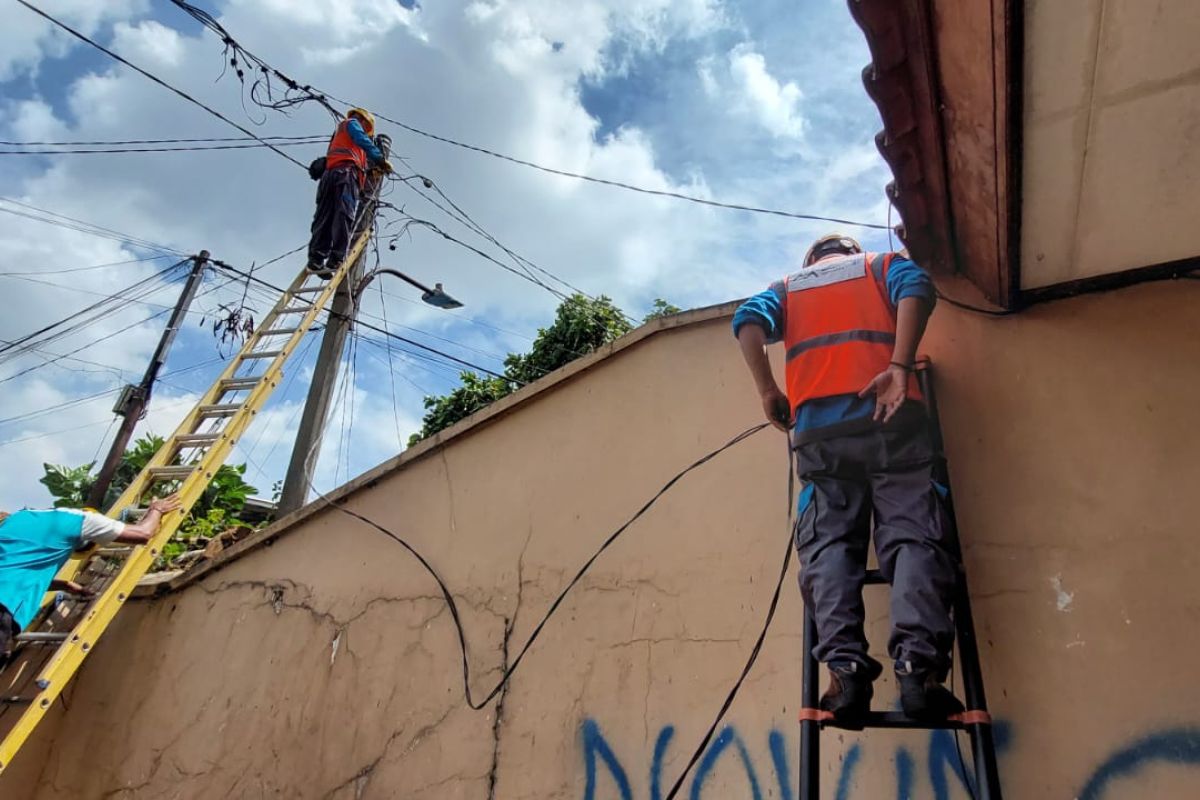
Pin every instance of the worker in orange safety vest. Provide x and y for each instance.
(351, 152)
(850, 323)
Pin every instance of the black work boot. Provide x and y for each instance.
(922, 695)
(317, 267)
(849, 694)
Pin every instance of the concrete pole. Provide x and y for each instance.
(307, 448)
(135, 398)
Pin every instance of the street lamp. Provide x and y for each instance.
(436, 296)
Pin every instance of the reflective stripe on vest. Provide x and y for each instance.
(840, 327)
(342, 150)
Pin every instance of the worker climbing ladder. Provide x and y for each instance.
(51, 650)
(975, 720)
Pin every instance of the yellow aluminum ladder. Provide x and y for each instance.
(62, 636)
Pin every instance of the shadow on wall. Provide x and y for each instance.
(1179, 746)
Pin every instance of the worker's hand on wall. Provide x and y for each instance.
(776, 408)
(890, 388)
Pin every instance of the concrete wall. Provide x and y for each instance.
(325, 665)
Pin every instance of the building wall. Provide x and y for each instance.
(326, 665)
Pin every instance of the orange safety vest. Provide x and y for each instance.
(342, 150)
(839, 327)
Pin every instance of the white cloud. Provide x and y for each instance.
(775, 105)
(148, 44)
(26, 38)
(33, 120)
(505, 75)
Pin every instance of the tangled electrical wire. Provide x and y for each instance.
(282, 95)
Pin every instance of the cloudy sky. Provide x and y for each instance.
(758, 103)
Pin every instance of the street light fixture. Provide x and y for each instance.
(436, 296)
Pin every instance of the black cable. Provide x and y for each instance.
(465, 219)
(58, 407)
(121, 295)
(113, 142)
(453, 606)
(77, 152)
(377, 329)
(82, 226)
(991, 312)
(762, 636)
(86, 346)
(157, 80)
(308, 92)
(82, 269)
(619, 184)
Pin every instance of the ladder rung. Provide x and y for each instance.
(310, 290)
(237, 384)
(263, 354)
(114, 552)
(294, 309)
(172, 473)
(900, 720)
(874, 576)
(278, 331)
(16, 701)
(194, 439)
(219, 410)
(42, 638)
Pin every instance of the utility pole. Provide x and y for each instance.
(307, 448)
(131, 405)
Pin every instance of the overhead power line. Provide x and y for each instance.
(157, 80)
(377, 329)
(81, 269)
(82, 226)
(622, 184)
(117, 150)
(308, 92)
(114, 142)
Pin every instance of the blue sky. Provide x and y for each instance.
(758, 103)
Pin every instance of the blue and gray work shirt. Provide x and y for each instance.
(765, 309)
(360, 138)
(33, 547)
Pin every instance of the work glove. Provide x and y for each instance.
(385, 167)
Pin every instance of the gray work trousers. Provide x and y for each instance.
(886, 473)
(333, 221)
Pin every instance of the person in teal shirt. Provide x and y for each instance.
(34, 545)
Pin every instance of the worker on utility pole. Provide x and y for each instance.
(850, 323)
(34, 545)
(342, 173)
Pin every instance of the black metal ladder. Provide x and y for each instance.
(975, 721)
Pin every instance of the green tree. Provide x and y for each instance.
(216, 510)
(581, 325)
(661, 309)
(475, 393)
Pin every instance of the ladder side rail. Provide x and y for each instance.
(57, 672)
(983, 747)
(809, 783)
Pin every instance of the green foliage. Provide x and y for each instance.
(216, 510)
(581, 325)
(661, 309)
(69, 485)
(475, 393)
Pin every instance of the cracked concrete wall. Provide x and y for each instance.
(326, 665)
